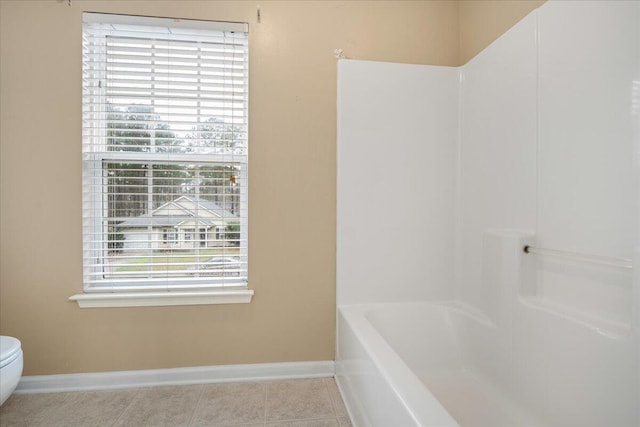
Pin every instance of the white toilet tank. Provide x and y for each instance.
(10, 366)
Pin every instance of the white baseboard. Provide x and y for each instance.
(174, 376)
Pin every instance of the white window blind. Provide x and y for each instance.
(165, 120)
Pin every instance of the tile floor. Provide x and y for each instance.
(291, 403)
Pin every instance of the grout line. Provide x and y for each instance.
(136, 397)
(195, 408)
(339, 401)
(333, 403)
(266, 392)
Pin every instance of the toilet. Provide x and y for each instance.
(10, 366)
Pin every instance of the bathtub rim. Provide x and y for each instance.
(421, 405)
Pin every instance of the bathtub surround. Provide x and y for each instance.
(395, 209)
(543, 152)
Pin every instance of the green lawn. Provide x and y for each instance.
(160, 258)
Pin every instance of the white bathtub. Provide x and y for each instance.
(445, 364)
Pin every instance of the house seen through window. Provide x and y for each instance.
(165, 122)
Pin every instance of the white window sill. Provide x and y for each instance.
(154, 299)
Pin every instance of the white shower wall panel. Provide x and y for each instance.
(543, 156)
(587, 190)
(397, 133)
(497, 179)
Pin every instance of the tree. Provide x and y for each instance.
(232, 233)
(137, 129)
(219, 183)
(116, 239)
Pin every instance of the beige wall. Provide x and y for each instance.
(292, 182)
(292, 177)
(483, 21)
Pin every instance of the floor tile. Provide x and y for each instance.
(92, 408)
(162, 406)
(230, 404)
(298, 400)
(30, 409)
(345, 422)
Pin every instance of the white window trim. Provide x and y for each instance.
(155, 299)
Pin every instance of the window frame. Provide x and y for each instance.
(167, 291)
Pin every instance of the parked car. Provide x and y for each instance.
(219, 266)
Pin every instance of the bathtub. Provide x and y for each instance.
(446, 364)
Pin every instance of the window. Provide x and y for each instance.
(169, 235)
(165, 118)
